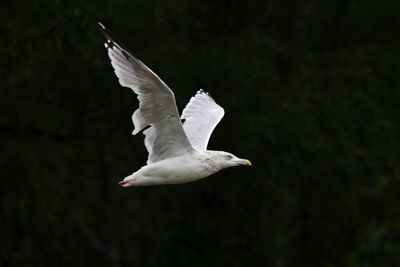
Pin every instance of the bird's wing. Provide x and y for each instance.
(165, 138)
(201, 115)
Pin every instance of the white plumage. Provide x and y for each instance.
(177, 153)
(201, 116)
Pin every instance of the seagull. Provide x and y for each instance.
(177, 151)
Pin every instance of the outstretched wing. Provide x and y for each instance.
(165, 137)
(201, 115)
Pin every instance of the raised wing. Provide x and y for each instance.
(165, 138)
(201, 115)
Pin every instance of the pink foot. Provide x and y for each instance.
(127, 182)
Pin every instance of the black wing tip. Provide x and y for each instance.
(112, 41)
(103, 30)
(102, 27)
(202, 92)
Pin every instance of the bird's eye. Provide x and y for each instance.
(228, 157)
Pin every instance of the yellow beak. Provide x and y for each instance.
(246, 162)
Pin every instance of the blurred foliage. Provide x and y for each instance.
(311, 94)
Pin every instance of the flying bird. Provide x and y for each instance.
(177, 151)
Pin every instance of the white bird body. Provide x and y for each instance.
(177, 152)
(193, 166)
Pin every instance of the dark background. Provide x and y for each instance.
(311, 92)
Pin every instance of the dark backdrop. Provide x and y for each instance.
(311, 93)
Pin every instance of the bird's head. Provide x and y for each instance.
(226, 160)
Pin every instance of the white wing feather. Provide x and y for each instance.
(165, 138)
(201, 115)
